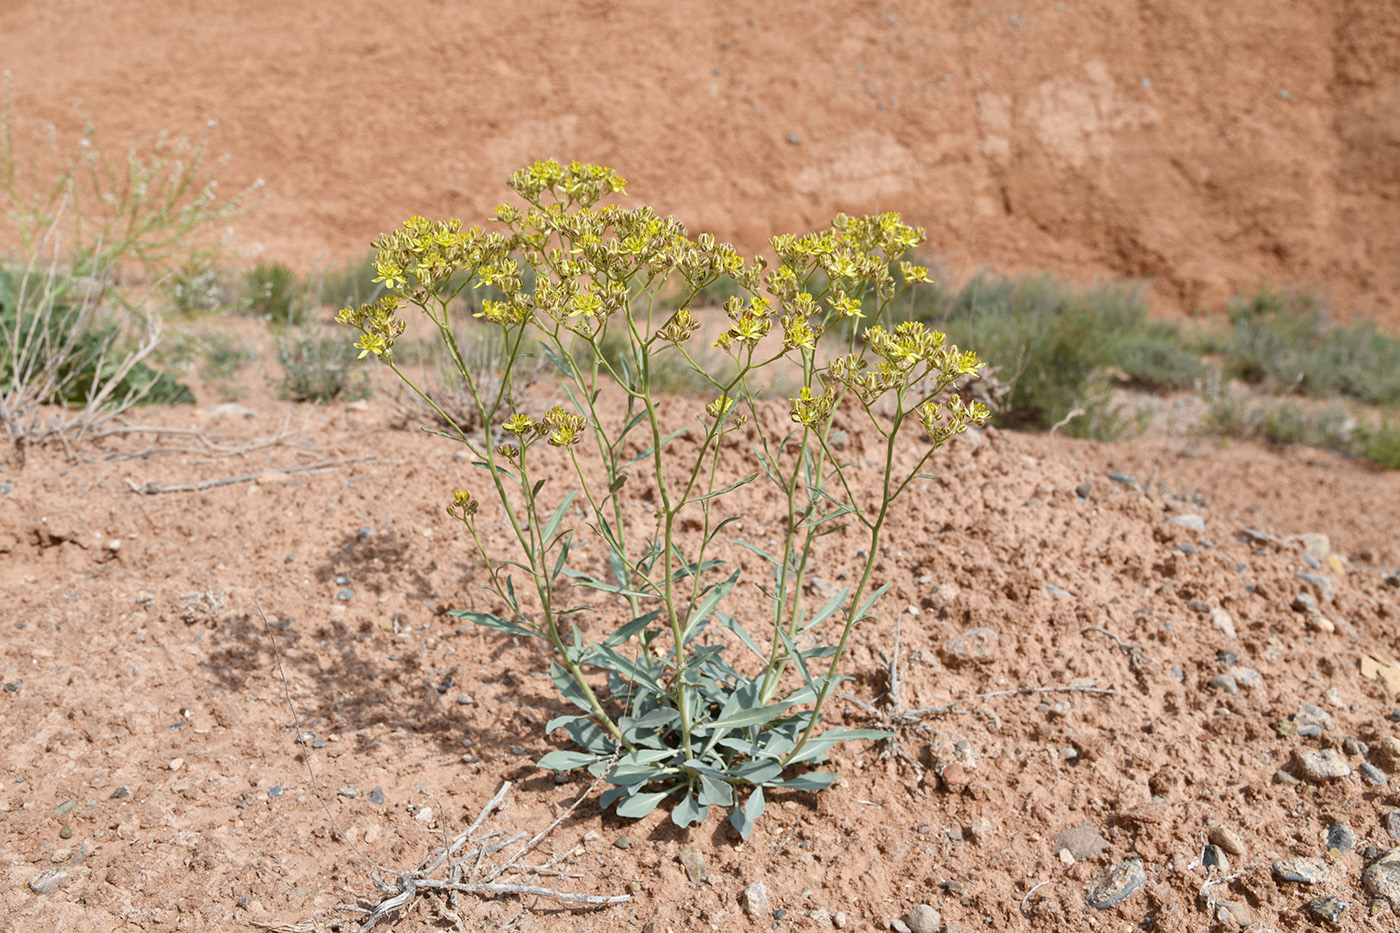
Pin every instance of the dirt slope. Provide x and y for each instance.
(1210, 147)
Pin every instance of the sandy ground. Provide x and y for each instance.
(145, 710)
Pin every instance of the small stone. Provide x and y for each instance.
(1225, 837)
(1351, 746)
(345, 595)
(348, 792)
(1382, 878)
(1125, 479)
(424, 815)
(1388, 754)
(465, 699)
(1059, 592)
(1310, 715)
(1115, 885)
(1283, 777)
(942, 596)
(923, 919)
(1227, 911)
(634, 888)
(65, 807)
(1391, 822)
(364, 532)
(1188, 520)
(1186, 548)
(1372, 775)
(1214, 857)
(1340, 838)
(373, 832)
(1304, 603)
(1224, 623)
(898, 925)
(1315, 544)
(1301, 870)
(623, 842)
(693, 863)
(1225, 682)
(1323, 586)
(61, 855)
(1245, 676)
(376, 796)
(821, 917)
(275, 790)
(176, 764)
(1082, 841)
(755, 901)
(838, 920)
(1319, 766)
(975, 644)
(65, 832)
(47, 882)
(1328, 909)
(592, 835)
(794, 139)
(1084, 490)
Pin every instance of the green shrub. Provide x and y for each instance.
(1282, 337)
(1056, 345)
(318, 366)
(1154, 357)
(1380, 444)
(272, 294)
(655, 706)
(76, 346)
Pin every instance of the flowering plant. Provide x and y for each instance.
(657, 710)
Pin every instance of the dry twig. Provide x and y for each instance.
(151, 489)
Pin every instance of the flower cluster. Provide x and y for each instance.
(577, 183)
(720, 409)
(960, 416)
(749, 322)
(810, 408)
(562, 428)
(463, 506)
(379, 326)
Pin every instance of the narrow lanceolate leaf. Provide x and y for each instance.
(495, 622)
(556, 519)
(568, 687)
(730, 488)
(870, 601)
(750, 717)
(631, 628)
(828, 610)
(743, 818)
(565, 761)
(709, 601)
(738, 629)
(814, 780)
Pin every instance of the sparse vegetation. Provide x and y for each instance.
(318, 366)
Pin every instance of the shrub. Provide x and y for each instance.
(318, 367)
(1283, 337)
(75, 346)
(271, 294)
(672, 718)
(1380, 444)
(1054, 344)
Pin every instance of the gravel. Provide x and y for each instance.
(1301, 870)
(755, 901)
(1115, 885)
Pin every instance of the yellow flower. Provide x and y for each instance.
(519, 424)
(370, 343)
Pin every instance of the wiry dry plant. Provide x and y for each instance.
(70, 361)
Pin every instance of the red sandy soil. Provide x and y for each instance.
(138, 659)
(1207, 147)
(134, 654)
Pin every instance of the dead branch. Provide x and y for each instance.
(151, 489)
